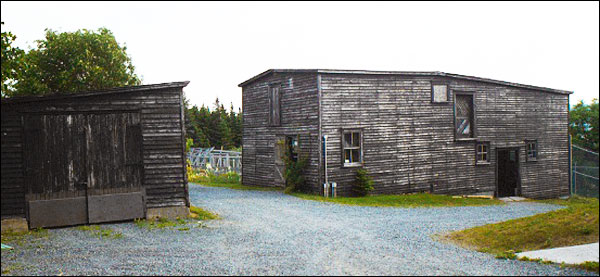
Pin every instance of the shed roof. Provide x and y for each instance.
(34, 98)
(404, 73)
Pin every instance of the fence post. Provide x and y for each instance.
(574, 178)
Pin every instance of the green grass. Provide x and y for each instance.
(201, 214)
(237, 186)
(103, 233)
(20, 238)
(180, 224)
(576, 224)
(160, 223)
(404, 200)
(590, 266)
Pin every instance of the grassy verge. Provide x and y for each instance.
(576, 224)
(405, 200)
(236, 186)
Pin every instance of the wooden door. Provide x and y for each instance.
(83, 168)
(55, 169)
(114, 164)
(279, 165)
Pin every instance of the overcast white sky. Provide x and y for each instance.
(218, 45)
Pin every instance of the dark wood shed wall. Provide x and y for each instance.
(162, 141)
(12, 188)
(409, 142)
(299, 116)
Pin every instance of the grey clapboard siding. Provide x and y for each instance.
(158, 109)
(299, 116)
(409, 143)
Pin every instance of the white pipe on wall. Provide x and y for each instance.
(326, 184)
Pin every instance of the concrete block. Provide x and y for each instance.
(168, 212)
(57, 212)
(115, 207)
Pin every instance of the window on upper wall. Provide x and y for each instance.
(531, 147)
(439, 93)
(464, 116)
(352, 148)
(275, 105)
(482, 153)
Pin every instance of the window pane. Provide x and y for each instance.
(347, 156)
(464, 115)
(355, 156)
(440, 93)
(347, 139)
(356, 139)
(463, 127)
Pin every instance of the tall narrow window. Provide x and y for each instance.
(464, 116)
(275, 105)
(532, 150)
(352, 147)
(482, 153)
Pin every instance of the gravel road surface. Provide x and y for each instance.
(270, 233)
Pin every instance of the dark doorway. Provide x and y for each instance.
(284, 146)
(508, 172)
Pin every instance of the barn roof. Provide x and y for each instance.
(404, 73)
(33, 98)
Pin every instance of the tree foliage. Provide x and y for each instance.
(584, 125)
(217, 128)
(11, 63)
(74, 62)
(294, 170)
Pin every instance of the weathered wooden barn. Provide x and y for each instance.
(413, 131)
(91, 157)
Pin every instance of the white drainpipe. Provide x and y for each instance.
(326, 184)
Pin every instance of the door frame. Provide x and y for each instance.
(517, 149)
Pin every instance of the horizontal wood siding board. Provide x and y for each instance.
(409, 142)
(299, 116)
(161, 133)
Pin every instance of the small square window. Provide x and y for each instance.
(532, 150)
(482, 153)
(439, 93)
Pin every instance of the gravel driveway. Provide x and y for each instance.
(269, 233)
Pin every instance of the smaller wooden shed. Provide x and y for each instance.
(92, 157)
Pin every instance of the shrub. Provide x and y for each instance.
(363, 184)
(294, 170)
(194, 175)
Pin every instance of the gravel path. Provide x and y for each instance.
(269, 233)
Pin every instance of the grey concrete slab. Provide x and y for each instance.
(571, 255)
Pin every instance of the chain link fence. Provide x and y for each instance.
(584, 172)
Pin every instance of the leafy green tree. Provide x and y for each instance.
(75, 61)
(584, 125)
(11, 63)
